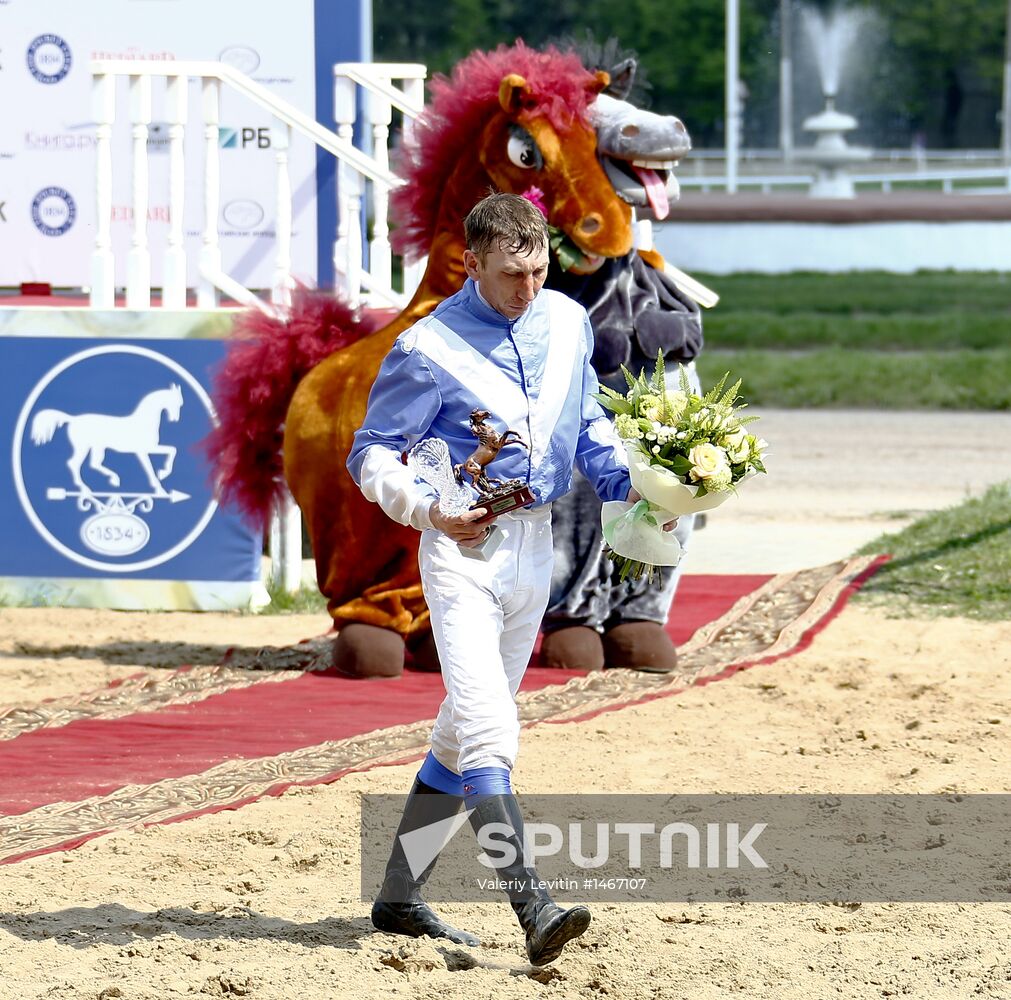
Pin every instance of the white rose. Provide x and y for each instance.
(737, 446)
(707, 461)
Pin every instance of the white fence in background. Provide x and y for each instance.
(917, 154)
(953, 171)
(372, 83)
(955, 180)
(364, 179)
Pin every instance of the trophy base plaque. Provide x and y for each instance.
(507, 497)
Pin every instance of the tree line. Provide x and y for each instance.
(927, 72)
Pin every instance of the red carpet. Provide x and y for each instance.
(216, 751)
(92, 757)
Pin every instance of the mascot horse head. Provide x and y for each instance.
(510, 120)
(638, 149)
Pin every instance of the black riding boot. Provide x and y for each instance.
(548, 927)
(400, 908)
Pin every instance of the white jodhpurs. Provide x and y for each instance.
(485, 619)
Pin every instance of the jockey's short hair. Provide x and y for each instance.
(507, 222)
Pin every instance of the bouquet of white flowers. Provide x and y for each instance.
(686, 454)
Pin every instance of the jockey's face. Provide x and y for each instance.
(509, 282)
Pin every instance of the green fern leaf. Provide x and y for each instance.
(685, 385)
(714, 393)
(611, 393)
(731, 394)
(660, 372)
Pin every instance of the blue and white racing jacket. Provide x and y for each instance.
(534, 376)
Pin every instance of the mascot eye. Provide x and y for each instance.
(523, 151)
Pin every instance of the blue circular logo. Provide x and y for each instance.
(49, 58)
(105, 464)
(53, 211)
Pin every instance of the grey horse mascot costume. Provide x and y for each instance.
(594, 620)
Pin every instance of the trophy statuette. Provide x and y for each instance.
(498, 496)
(430, 461)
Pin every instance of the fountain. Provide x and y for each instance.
(835, 231)
(832, 37)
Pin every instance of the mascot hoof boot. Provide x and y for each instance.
(640, 646)
(575, 647)
(368, 651)
(424, 655)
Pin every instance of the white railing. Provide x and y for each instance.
(972, 179)
(897, 155)
(371, 84)
(981, 179)
(358, 171)
(763, 182)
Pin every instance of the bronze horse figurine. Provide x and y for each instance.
(490, 443)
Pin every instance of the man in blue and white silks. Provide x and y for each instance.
(501, 344)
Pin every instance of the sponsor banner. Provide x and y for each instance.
(700, 848)
(105, 478)
(49, 136)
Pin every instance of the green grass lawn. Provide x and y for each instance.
(931, 340)
(952, 562)
(923, 293)
(750, 330)
(833, 377)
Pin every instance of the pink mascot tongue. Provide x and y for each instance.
(656, 190)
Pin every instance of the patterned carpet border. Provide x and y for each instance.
(776, 620)
(144, 693)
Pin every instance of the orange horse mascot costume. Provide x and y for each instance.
(508, 120)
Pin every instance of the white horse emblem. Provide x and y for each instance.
(93, 434)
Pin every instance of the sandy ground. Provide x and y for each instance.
(264, 903)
